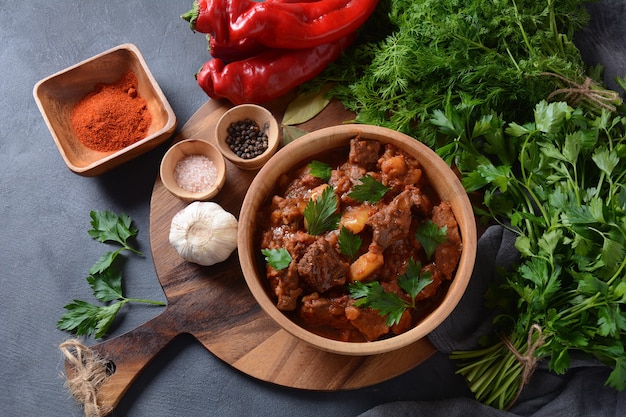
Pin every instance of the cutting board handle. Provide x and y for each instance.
(126, 356)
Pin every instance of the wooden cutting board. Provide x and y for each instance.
(215, 306)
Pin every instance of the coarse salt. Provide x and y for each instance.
(195, 173)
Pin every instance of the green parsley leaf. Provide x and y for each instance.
(605, 160)
(369, 190)
(106, 285)
(320, 170)
(321, 214)
(105, 262)
(372, 294)
(110, 227)
(499, 176)
(85, 319)
(349, 242)
(617, 378)
(413, 281)
(277, 258)
(430, 236)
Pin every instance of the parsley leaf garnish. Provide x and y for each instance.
(321, 213)
(105, 279)
(373, 295)
(413, 281)
(320, 170)
(369, 190)
(430, 236)
(349, 242)
(277, 258)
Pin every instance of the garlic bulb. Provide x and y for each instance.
(204, 233)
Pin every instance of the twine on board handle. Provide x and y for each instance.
(86, 374)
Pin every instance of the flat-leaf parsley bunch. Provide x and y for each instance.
(558, 183)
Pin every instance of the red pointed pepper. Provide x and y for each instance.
(302, 24)
(268, 75)
(214, 18)
(279, 24)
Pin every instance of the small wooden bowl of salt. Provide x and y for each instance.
(193, 170)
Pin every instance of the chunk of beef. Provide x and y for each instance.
(325, 311)
(431, 289)
(297, 244)
(448, 253)
(396, 259)
(302, 184)
(364, 153)
(285, 211)
(321, 266)
(344, 178)
(285, 284)
(392, 221)
(420, 201)
(368, 321)
(405, 323)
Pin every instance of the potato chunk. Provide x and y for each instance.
(365, 265)
(355, 218)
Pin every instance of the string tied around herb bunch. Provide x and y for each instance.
(528, 360)
(88, 371)
(575, 93)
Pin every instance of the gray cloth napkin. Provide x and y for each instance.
(581, 392)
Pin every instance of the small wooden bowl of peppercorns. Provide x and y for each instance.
(247, 135)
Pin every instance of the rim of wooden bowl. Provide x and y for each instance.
(441, 177)
(192, 147)
(259, 114)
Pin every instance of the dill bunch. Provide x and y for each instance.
(414, 55)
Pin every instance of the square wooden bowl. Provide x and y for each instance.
(57, 94)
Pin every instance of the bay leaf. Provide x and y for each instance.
(306, 106)
(291, 133)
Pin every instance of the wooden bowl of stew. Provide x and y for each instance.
(346, 220)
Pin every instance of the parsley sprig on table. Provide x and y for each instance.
(557, 181)
(105, 279)
(391, 305)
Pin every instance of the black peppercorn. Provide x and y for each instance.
(246, 139)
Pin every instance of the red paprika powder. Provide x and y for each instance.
(112, 116)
